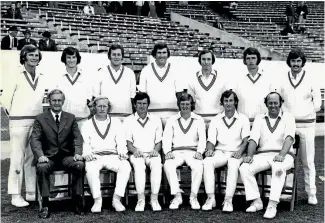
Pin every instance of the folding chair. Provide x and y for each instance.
(57, 189)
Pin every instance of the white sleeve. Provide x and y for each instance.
(120, 138)
(168, 136)
(132, 85)
(213, 132)
(85, 132)
(143, 81)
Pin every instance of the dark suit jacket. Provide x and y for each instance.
(44, 47)
(5, 43)
(22, 43)
(48, 139)
(13, 15)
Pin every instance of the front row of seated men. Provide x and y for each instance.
(57, 142)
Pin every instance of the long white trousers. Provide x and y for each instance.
(109, 162)
(196, 166)
(221, 158)
(139, 165)
(306, 133)
(260, 163)
(21, 157)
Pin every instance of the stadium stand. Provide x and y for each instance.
(261, 22)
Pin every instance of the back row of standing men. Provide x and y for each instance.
(160, 80)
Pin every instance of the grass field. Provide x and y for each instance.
(303, 212)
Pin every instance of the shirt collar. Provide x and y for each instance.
(53, 114)
(37, 74)
(298, 75)
(108, 119)
(259, 72)
(193, 115)
(266, 114)
(119, 70)
(66, 72)
(138, 117)
(212, 73)
(223, 114)
(164, 67)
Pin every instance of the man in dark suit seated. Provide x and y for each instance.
(47, 44)
(13, 12)
(57, 143)
(10, 42)
(26, 41)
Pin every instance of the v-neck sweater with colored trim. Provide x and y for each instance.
(120, 91)
(207, 101)
(113, 142)
(162, 93)
(304, 100)
(174, 136)
(268, 140)
(76, 94)
(251, 95)
(229, 137)
(19, 97)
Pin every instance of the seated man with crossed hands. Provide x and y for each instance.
(184, 140)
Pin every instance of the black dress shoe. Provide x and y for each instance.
(44, 213)
(79, 206)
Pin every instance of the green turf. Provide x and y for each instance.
(303, 212)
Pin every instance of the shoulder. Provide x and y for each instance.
(128, 119)
(288, 116)
(197, 117)
(116, 121)
(243, 117)
(172, 118)
(69, 115)
(40, 116)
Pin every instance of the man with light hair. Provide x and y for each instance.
(184, 141)
(144, 135)
(22, 99)
(104, 147)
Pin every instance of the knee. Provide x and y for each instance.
(197, 166)
(125, 166)
(234, 163)
(244, 169)
(208, 162)
(42, 168)
(79, 166)
(138, 164)
(169, 165)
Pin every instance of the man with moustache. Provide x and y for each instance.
(57, 143)
(206, 86)
(22, 99)
(302, 97)
(117, 82)
(269, 147)
(143, 137)
(160, 80)
(79, 87)
(104, 147)
(184, 141)
(227, 141)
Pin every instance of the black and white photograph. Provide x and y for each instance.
(162, 111)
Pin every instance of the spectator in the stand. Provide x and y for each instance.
(287, 30)
(302, 11)
(106, 5)
(13, 12)
(183, 3)
(47, 44)
(53, 4)
(10, 42)
(88, 9)
(160, 8)
(217, 24)
(139, 5)
(27, 40)
(290, 13)
(115, 7)
(145, 9)
(99, 9)
(23, 8)
(129, 8)
(233, 5)
(152, 12)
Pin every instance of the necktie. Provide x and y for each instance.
(57, 120)
(13, 13)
